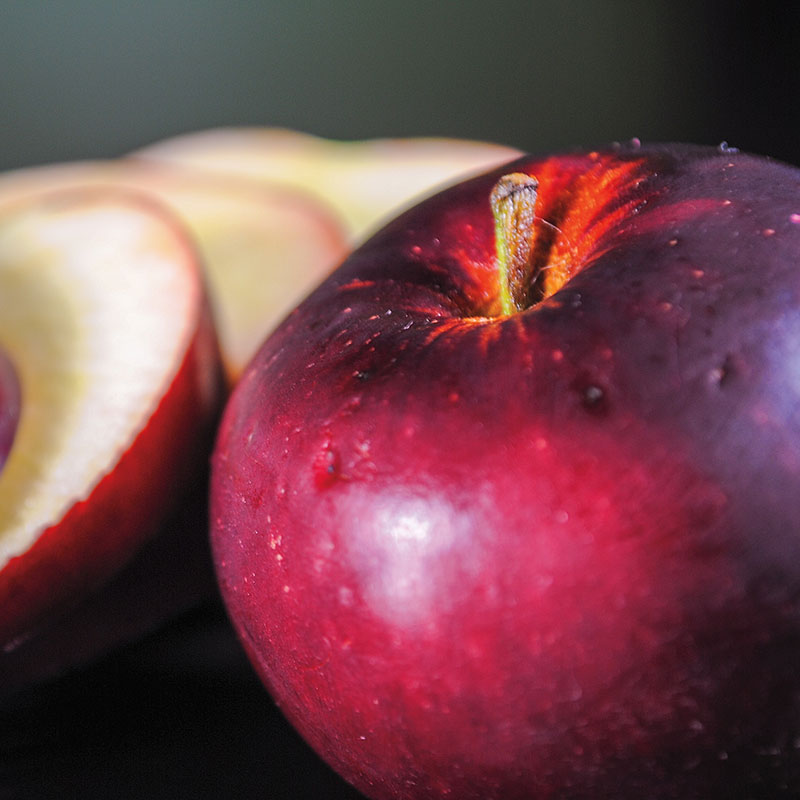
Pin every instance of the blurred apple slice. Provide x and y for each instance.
(272, 211)
(9, 405)
(366, 182)
(263, 248)
(103, 312)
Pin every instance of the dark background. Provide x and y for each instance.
(180, 715)
(90, 78)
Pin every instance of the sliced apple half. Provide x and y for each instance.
(366, 181)
(263, 248)
(9, 405)
(103, 313)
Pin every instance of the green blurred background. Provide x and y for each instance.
(91, 78)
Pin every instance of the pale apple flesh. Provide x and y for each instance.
(365, 182)
(548, 553)
(103, 311)
(9, 405)
(263, 248)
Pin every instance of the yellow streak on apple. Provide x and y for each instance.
(94, 342)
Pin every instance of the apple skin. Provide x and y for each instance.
(9, 405)
(549, 555)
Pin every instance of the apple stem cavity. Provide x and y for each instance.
(513, 201)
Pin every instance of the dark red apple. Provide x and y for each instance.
(509, 507)
(9, 405)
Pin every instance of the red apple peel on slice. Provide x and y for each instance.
(102, 308)
(9, 406)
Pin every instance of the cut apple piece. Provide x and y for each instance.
(263, 248)
(367, 182)
(103, 312)
(9, 405)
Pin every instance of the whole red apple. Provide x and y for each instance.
(508, 507)
(9, 405)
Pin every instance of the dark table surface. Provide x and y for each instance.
(179, 714)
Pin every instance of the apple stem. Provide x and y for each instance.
(513, 200)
